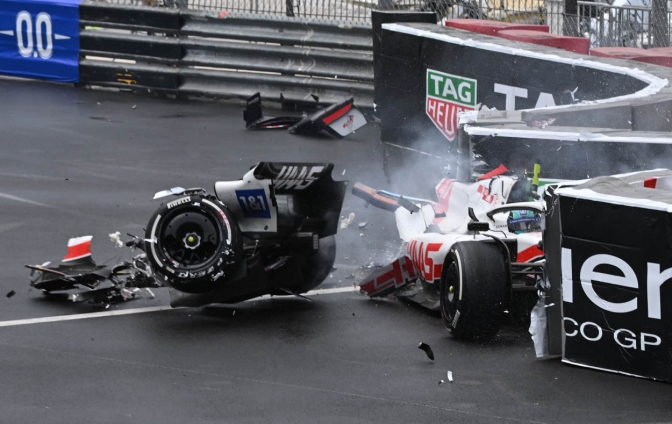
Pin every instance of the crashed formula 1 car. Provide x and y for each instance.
(467, 252)
(269, 233)
(339, 119)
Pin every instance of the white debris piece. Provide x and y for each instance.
(116, 239)
(362, 224)
(345, 222)
(538, 328)
(450, 376)
(343, 172)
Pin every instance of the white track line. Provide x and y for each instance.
(144, 310)
(332, 291)
(83, 316)
(21, 199)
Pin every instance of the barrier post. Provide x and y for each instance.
(555, 15)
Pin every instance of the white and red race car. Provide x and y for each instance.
(466, 253)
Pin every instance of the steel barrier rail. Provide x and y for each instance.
(357, 66)
(297, 90)
(136, 18)
(294, 31)
(150, 77)
(305, 62)
(130, 46)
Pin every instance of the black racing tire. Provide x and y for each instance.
(193, 243)
(473, 290)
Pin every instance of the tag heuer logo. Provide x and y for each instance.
(447, 95)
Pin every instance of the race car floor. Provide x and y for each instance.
(79, 162)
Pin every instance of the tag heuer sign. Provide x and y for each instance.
(447, 95)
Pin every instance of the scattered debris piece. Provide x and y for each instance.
(450, 376)
(537, 121)
(362, 224)
(339, 119)
(428, 350)
(234, 313)
(134, 106)
(343, 172)
(440, 382)
(11, 293)
(350, 277)
(361, 234)
(345, 222)
(116, 239)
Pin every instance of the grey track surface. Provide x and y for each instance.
(76, 162)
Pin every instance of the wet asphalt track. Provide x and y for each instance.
(76, 162)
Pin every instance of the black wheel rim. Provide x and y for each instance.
(189, 238)
(451, 291)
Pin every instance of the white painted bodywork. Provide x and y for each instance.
(228, 192)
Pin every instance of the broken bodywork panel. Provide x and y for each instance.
(99, 284)
(339, 119)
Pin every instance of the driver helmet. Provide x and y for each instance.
(523, 221)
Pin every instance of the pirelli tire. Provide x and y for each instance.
(473, 290)
(194, 243)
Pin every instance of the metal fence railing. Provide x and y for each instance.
(614, 26)
(525, 11)
(630, 23)
(356, 11)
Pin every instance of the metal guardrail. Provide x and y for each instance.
(161, 49)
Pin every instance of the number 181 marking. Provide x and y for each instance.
(252, 204)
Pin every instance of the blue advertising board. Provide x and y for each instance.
(40, 39)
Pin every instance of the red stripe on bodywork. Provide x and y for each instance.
(78, 251)
(443, 190)
(340, 112)
(529, 253)
(650, 182)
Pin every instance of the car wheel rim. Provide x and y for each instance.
(451, 291)
(190, 239)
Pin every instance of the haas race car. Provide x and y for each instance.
(272, 232)
(467, 253)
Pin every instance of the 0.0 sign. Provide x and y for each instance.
(41, 31)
